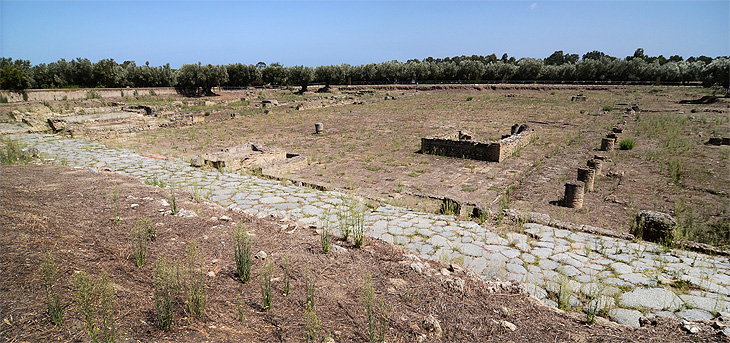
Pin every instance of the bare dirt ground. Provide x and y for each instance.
(372, 136)
(69, 212)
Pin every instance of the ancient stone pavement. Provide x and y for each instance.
(623, 280)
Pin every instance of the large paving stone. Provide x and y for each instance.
(695, 315)
(715, 304)
(651, 298)
(516, 268)
(638, 279)
(625, 316)
(621, 268)
(271, 200)
(548, 264)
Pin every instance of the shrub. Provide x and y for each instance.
(166, 284)
(267, 295)
(92, 95)
(14, 152)
(193, 281)
(607, 108)
(627, 144)
(242, 246)
(145, 225)
(48, 272)
(139, 237)
(95, 300)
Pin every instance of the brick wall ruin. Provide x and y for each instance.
(461, 145)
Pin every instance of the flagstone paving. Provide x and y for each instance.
(566, 269)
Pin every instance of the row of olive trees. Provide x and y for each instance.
(199, 78)
(83, 73)
(468, 70)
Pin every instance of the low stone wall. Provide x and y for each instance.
(83, 93)
(450, 145)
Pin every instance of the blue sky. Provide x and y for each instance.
(356, 32)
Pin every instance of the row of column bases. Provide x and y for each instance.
(575, 190)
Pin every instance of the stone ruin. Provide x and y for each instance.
(579, 97)
(252, 156)
(461, 144)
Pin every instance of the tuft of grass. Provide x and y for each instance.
(95, 299)
(241, 307)
(358, 230)
(449, 208)
(193, 281)
(377, 323)
(267, 295)
(607, 108)
(173, 203)
(313, 323)
(116, 207)
(242, 246)
(675, 166)
(351, 220)
(287, 276)
(166, 284)
(627, 144)
(563, 293)
(139, 239)
(326, 239)
(154, 181)
(310, 282)
(49, 272)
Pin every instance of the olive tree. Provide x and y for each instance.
(717, 72)
(197, 79)
(14, 75)
(302, 76)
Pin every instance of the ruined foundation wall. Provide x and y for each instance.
(81, 93)
(450, 145)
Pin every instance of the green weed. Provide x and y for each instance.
(267, 296)
(193, 281)
(242, 246)
(49, 272)
(166, 283)
(95, 299)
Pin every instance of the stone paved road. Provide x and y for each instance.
(621, 279)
